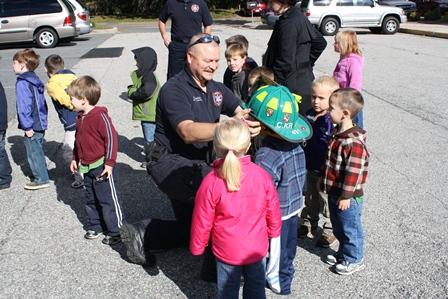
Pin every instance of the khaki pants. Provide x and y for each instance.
(315, 202)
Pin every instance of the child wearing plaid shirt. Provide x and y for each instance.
(345, 174)
(285, 162)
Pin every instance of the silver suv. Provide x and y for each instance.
(330, 15)
(43, 21)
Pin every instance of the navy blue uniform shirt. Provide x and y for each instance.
(187, 17)
(181, 99)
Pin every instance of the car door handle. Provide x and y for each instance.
(5, 21)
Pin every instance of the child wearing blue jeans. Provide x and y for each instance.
(32, 114)
(144, 92)
(344, 177)
(236, 203)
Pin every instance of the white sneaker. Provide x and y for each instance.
(346, 268)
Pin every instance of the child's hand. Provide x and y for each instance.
(73, 166)
(343, 204)
(107, 171)
(29, 133)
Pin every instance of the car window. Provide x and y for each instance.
(344, 3)
(322, 2)
(13, 8)
(362, 2)
(44, 6)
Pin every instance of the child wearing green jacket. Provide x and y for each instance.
(144, 92)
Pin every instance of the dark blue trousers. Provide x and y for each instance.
(103, 205)
(5, 166)
(176, 58)
(288, 240)
(229, 279)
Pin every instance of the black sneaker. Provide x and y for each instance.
(133, 240)
(91, 234)
(110, 240)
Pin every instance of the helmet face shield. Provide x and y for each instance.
(278, 109)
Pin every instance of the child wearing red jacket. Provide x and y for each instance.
(95, 155)
(238, 204)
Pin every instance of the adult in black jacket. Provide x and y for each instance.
(293, 48)
(5, 166)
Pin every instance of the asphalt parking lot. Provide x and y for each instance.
(43, 253)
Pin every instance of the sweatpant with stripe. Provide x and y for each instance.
(103, 206)
(282, 251)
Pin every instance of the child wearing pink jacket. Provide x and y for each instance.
(349, 69)
(238, 204)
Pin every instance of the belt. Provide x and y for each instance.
(181, 40)
(304, 64)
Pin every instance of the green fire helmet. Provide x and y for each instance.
(277, 108)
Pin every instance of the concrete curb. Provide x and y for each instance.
(423, 32)
(112, 30)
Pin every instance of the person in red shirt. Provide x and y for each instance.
(95, 155)
(238, 204)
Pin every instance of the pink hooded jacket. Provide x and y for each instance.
(240, 222)
(348, 71)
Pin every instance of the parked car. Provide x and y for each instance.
(406, 5)
(427, 5)
(330, 15)
(82, 15)
(45, 22)
(255, 7)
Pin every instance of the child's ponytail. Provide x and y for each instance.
(231, 141)
(231, 171)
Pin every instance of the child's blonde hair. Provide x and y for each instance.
(348, 42)
(260, 75)
(348, 98)
(326, 81)
(235, 49)
(85, 87)
(231, 141)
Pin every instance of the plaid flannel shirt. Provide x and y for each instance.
(285, 162)
(345, 171)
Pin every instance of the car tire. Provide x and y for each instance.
(375, 30)
(46, 38)
(329, 26)
(390, 25)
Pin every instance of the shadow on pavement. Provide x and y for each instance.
(18, 154)
(310, 246)
(183, 269)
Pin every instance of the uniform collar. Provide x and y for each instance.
(187, 74)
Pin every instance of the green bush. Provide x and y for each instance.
(432, 15)
(445, 17)
(414, 16)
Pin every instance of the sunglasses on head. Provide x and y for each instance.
(205, 40)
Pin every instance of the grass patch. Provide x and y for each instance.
(223, 13)
(122, 19)
(100, 20)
